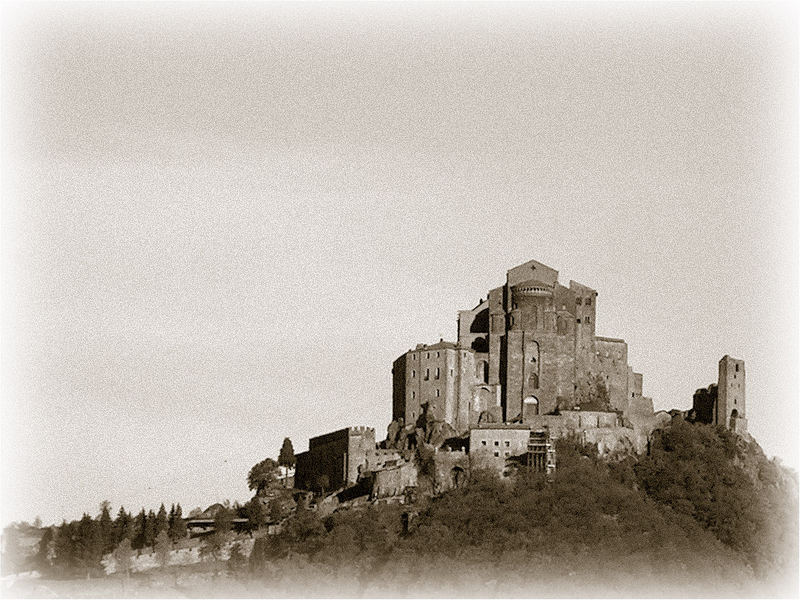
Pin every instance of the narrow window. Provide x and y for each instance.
(588, 320)
(413, 395)
(737, 369)
(507, 444)
(413, 373)
(437, 373)
(579, 321)
(451, 372)
(437, 393)
(496, 453)
(496, 443)
(427, 374)
(427, 355)
(483, 442)
(437, 355)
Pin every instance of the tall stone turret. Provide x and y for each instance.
(730, 408)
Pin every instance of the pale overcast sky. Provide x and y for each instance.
(221, 224)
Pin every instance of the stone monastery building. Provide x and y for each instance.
(527, 369)
(528, 348)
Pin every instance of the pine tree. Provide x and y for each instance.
(150, 529)
(123, 526)
(286, 458)
(44, 558)
(88, 544)
(171, 520)
(106, 528)
(161, 523)
(286, 455)
(139, 528)
(178, 531)
(64, 547)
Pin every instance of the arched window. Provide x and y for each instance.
(534, 381)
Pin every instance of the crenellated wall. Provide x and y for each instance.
(339, 456)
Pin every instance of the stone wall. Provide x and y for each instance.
(360, 442)
(704, 402)
(381, 458)
(498, 447)
(604, 429)
(451, 468)
(442, 376)
(612, 365)
(394, 481)
(340, 456)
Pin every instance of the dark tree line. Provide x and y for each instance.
(78, 546)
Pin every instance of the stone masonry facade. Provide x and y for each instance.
(528, 349)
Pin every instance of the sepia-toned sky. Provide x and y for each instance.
(222, 223)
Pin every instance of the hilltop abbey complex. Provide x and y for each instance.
(526, 369)
(528, 349)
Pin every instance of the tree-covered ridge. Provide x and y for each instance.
(702, 511)
(727, 485)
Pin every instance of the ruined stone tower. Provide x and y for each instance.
(723, 403)
(730, 408)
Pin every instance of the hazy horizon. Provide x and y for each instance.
(222, 223)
